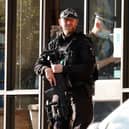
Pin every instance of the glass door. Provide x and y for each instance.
(104, 25)
(19, 97)
(2, 50)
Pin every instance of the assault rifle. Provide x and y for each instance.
(56, 97)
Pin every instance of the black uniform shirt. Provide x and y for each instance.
(80, 62)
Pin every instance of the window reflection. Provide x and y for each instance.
(103, 19)
(2, 42)
(27, 43)
(26, 112)
(1, 112)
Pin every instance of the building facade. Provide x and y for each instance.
(26, 26)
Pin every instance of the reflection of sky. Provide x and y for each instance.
(117, 42)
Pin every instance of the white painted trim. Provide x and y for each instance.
(23, 92)
(107, 90)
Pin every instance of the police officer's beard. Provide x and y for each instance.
(68, 31)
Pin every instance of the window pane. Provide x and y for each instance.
(1, 112)
(26, 112)
(2, 42)
(104, 19)
(27, 43)
(1, 102)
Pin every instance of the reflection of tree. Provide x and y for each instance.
(2, 17)
(2, 24)
(28, 79)
(55, 31)
(27, 38)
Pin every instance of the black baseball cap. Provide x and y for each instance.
(69, 12)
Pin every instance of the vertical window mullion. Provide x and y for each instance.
(42, 38)
(86, 16)
(125, 59)
(10, 62)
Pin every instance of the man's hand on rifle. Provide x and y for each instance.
(49, 73)
(50, 76)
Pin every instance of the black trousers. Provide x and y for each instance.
(82, 108)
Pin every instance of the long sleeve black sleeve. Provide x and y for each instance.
(81, 66)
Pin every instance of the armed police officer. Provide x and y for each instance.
(77, 66)
(102, 38)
